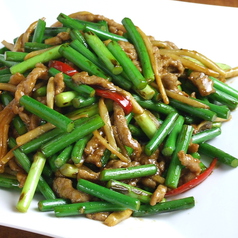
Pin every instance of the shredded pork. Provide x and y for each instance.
(189, 162)
(202, 82)
(63, 188)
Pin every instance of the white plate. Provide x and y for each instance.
(210, 30)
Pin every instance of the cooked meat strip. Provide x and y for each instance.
(85, 173)
(192, 148)
(170, 82)
(93, 151)
(158, 194)
(20, 173)
(58, 39)
(186, 176)
(120, 144)
(202, 82)
(63, 188)
(99, 216)
(148, 182)
(25, 87)
(34, 122)
(123, 130)
(84, 78)
(16, 78)
(59, 83)
(169, 65)
(169, 70)
(189, 162)
(21, 178)
(114, 164)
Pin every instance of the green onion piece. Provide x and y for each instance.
(75, 24)
(36, 143)
(103, 35)
(46, 113)
(3, 50)
(53, 31)
(222, 111)
(6, 97)
(79, 101)
(33, 46)
(50, 204)
(5, 78)
(218, 84)
(117, 79)
(69, 170)
(82, 62)
(222, 156)
(147, 93)
(102, 25)
(103, 53)
(76, 35)
(137, 132)
(129, 190)
(105, 157)
(19, 125)
(145, 122)
(224, 98)
(135, 37)
(168, 206)
(129, 68)
(15, 56)
(206, 135)
(202, 113)
(4, 71)
(78, 149)
(63, 140)
(7, 63)
(63, 156)
(39, 31)
(85, 208)
(175, 166)
(171, 140)
(85, 111)
(154, 106)
(25, 163)
(161, 133)
(52, 53)
(128, 173)
(7, 181)
(31, 182)
(40, 92)
(108, 194)
(70, 22)
(64, 99)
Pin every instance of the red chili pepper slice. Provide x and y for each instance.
(194, 182)
(63, 67)
(120, 99)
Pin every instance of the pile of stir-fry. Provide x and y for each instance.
(107, 122)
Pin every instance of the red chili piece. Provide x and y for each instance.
(120, 99)
(194, 182)
(63, 67)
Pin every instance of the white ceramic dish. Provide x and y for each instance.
(210, 30)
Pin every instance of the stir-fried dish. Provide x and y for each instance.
(107, 122)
